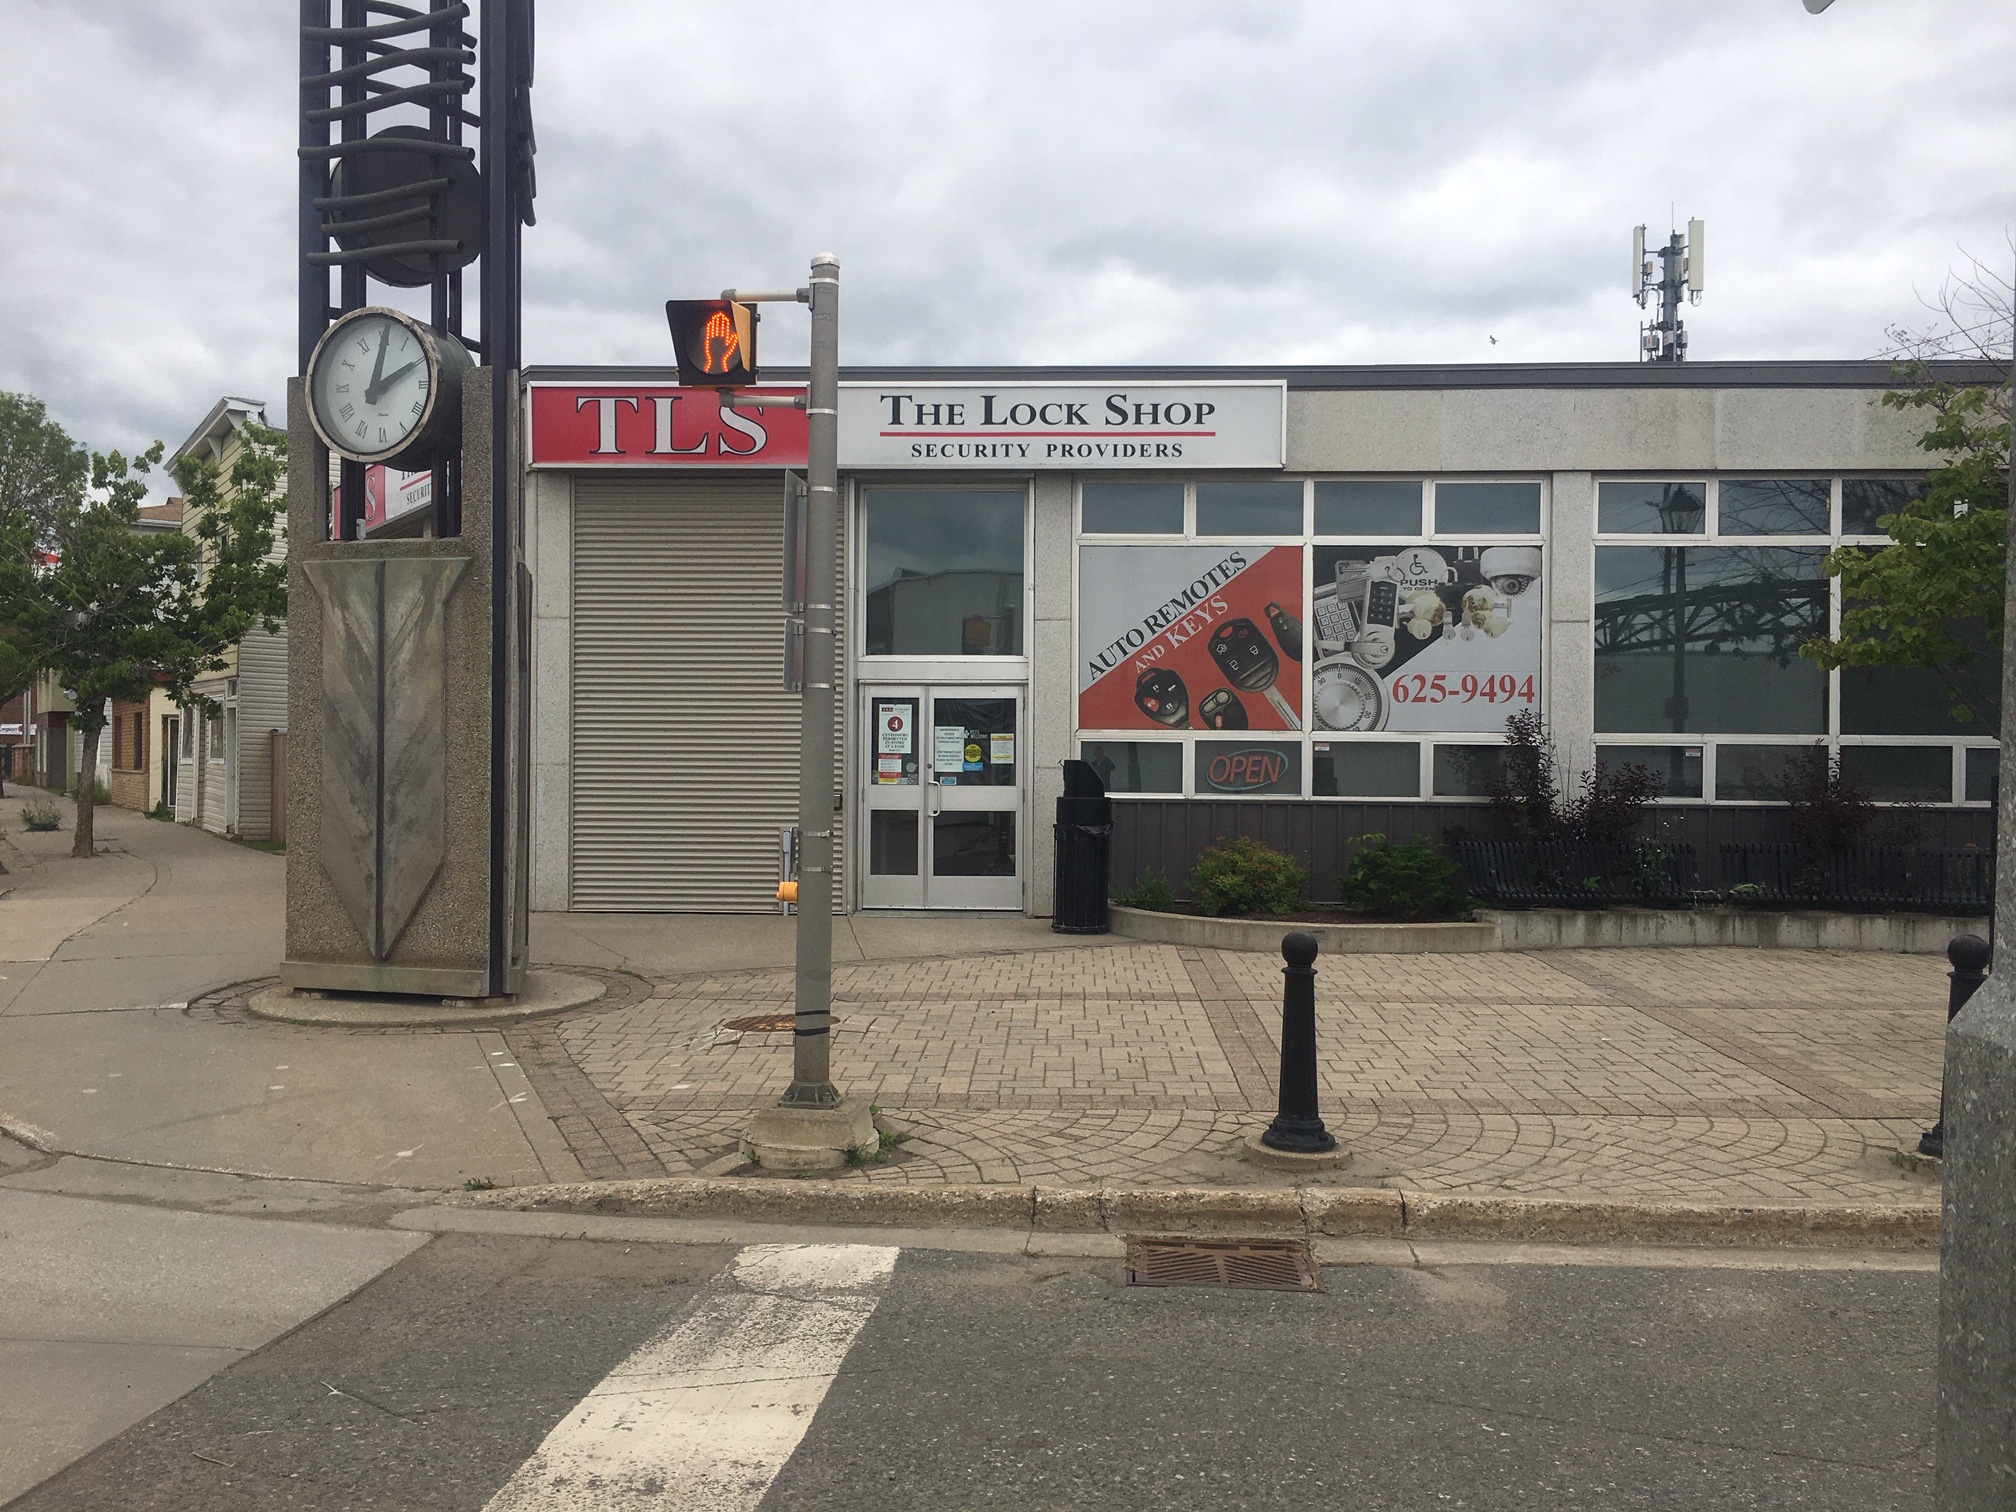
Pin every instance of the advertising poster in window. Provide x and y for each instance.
(1189, 638)
(1423, 637)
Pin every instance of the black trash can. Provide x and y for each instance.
(1084, 832)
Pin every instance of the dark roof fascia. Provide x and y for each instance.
(1513, 375)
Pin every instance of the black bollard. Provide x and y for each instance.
(1297, 1128)
(1969, 954)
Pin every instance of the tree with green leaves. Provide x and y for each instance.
(41, 469)
(115, 613)
(1932, 599)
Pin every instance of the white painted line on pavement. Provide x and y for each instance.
(703, 1415)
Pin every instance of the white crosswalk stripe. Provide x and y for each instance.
(703, 1415)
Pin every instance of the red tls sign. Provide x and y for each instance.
(575, 425)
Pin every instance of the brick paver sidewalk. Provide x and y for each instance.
(1713, 1075)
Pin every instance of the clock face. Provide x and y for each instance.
(371, 385)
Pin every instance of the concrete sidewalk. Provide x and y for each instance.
(1007, 1053)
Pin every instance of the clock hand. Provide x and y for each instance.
(371, 388)
(371, 394)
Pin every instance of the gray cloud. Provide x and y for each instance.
(1011, 182)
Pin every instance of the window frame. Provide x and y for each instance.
(1833, 738)
(1425, 741)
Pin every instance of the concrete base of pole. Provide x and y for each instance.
(810, 1139)
(1977, 1304)
(1251, 1149)
(543, 993)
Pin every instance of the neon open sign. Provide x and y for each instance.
(1246, 771)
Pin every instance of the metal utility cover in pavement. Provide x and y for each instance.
(766, 1023)
(1249, 1264)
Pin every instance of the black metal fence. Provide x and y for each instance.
(1652, 874)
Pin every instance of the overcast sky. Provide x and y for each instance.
(1174, 181)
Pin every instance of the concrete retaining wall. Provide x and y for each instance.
(1591, 929)
(1336, 939)
(1568, 929)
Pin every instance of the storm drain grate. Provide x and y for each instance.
(766, 1023)
(1251, 1264)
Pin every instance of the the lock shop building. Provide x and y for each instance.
(1296, 603)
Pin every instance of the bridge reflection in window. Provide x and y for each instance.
(1704, 639)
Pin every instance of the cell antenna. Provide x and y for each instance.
(1667, 272)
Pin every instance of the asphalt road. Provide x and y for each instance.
(927, 1379)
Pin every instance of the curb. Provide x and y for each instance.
(1325, 1212)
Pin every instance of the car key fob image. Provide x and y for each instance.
(1287, 630)
(1249, 664)
(1243, 655)
(1160, 694)
(1221, 710)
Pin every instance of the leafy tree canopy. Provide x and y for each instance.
(114, 612)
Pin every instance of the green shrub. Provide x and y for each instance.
(161, 811)
(1242, 875)
(41, 814)
(100, 793)
(1413, 881)
(1152, 891)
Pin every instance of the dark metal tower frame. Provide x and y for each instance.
(371, 40)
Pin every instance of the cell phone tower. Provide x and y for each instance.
(1676, 266)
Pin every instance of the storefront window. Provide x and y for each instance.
(1136, 766)
(1706, 638)
(1262, 507)
(1366, 769)
(1981, 764)
(1196, 637)
(1912, 701)
(1763, 773)
(1679, 767)
(1773, 506)
(1468, 771)
(1377, 508)
(1865, 501)
(1487, 508)
(1248, 768)
(944, 572)
(1900, 774)
(1132, 508)
(1652, 508)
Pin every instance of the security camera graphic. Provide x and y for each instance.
(1510, 569)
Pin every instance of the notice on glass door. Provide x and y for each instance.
(1002, 750)
(892, 729)
(948, 748)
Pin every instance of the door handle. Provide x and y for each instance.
(936, 797)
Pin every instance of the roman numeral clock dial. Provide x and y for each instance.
(385, 388)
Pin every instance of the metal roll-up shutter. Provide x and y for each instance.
(685, 744)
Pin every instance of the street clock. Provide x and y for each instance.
(386, 388)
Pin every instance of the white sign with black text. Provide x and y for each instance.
(1076, 426)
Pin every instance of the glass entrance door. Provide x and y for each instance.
(942, 797)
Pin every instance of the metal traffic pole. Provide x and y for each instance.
(812, 1038)
(812, 1125)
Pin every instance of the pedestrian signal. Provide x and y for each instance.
(714, 341)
